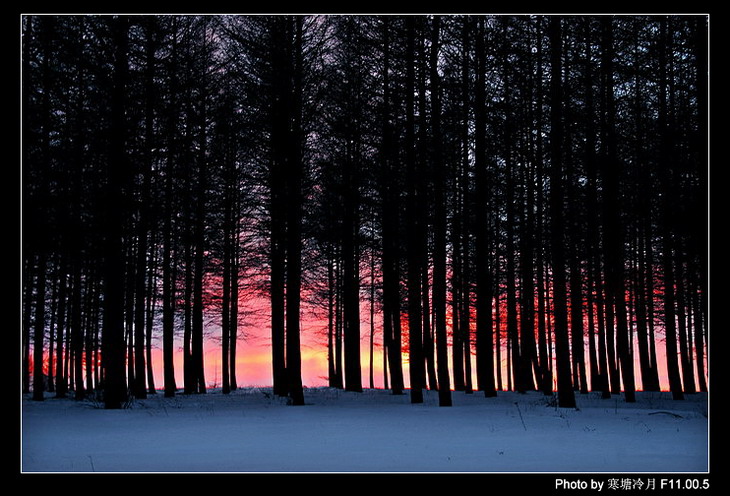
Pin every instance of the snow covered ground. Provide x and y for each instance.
(252, 431)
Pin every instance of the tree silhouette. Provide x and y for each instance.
(519, 200)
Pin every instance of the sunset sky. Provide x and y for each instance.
(253, 360)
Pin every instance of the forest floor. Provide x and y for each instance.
(252, 431)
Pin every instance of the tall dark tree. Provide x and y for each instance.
(294, 174)
(511, 201)
(414, 226)
(351, 165)
(286, 173)
(439, 253)
(529, 154)
(461, 331)
(668, 235)
(566, 396)
(277, 209)
(115, 210)
(613, 230)
(390, 201)
(139, 384)
(484, 320)
(575, 254)
(40, 205)
(701, 51)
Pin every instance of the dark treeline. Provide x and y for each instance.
(519, 190)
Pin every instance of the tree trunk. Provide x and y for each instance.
(699, 342)
(115, 386)
(643, 297)
(199, 239)
(226, 294)
(462, 327)
(168, 290)
(294, 218)
(372, 315)
(613, 229)
(39, 240)
(39, 328)
(684, 331)
(580, 381)
(510, 283)
(90, 330)
(61, 381)
(351, 246)
(439, 230)
(339, 372)
(701, 47)
(415, 330)
(528, 351)
(390, 220)
(545, 365)
(426, 212)
(599, 359)
(233, 315)
(277, 207)
(331, 294)
(668, 241)
(150, 316)
(27, 323)
(55, 305)
(168, 270)
(139, 384)
(566, 396)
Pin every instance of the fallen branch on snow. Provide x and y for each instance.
(666, 413)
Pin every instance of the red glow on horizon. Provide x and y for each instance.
(253, 356)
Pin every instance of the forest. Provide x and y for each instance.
(482, 203)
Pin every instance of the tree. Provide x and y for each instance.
(484, 331)
(390, 202)
(668, 236)
(613, 231)
(139, 385)
(350, 177)
(414, 227)
(115, 210)
(439, 254)
(286, 175)
(566, 397)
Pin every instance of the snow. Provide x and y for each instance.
(252, 431)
